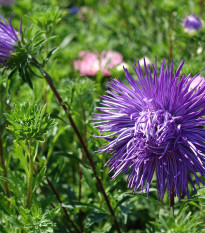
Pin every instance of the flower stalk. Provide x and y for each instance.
(60, 100)
(30, 177)
(172, 200)
(4, 167)
(82, 159)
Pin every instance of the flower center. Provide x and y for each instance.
(157, 131)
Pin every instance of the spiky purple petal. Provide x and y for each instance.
(8, 38)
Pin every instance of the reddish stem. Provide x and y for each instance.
(172, 199)
(60, 100)
(83, 155)
(59, 200)
(4, 168)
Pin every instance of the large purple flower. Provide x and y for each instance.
(8, 38)
(192, 23)
(155, 127)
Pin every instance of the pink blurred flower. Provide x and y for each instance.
(90, 63)
(109, 60)
(197, 82)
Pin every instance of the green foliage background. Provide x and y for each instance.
(136, 29)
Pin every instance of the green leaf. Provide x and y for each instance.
(28, 79)
(39, 42)
(45, 42)
(23, 159)
(39, 178)
(36, 35)
(12, 73)
(105, 229)
(77, 204)
(67, 155)
(15, 222)
(2, 230)
(29, 121)
(51, 52)
(90, 180)
(94, 217)
(12, 185)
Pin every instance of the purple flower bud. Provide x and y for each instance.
(8, 38)
(192, 23)
(155, 126)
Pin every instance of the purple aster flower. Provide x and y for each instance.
(155, 126)
(8, 38)
(192, 23)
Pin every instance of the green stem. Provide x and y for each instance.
(30, 178)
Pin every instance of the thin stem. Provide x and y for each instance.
(59, 200)
(53, 206)
(30, 178)
(44, 102)
(7, 192)
(83, 155)
(60, 100)
(172, 199)
(4, 168)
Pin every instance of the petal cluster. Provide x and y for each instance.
(8, 38)
(192, 23)
(90, 63)
(154, 128)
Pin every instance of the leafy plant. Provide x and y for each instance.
(29, 122)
